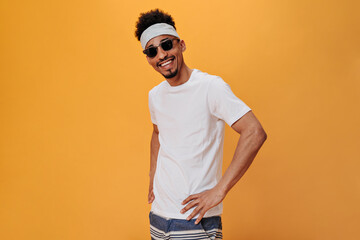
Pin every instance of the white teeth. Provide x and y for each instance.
(164, 64)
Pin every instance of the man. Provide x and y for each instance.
(188, 111)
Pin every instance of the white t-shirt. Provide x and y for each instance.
(190, 118)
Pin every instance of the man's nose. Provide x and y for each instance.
(161, 53)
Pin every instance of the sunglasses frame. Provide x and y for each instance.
(146, 51)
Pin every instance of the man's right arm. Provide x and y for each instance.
(154, 150)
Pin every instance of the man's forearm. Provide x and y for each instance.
(248, 146)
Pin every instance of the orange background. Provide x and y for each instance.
(75, 126)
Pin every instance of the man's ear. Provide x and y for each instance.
(182, 45)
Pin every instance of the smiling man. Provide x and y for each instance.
(189, 110)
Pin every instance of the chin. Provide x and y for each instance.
(170, 75)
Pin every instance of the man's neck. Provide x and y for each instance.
(182, 76)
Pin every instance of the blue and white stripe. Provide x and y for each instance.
(167, 229)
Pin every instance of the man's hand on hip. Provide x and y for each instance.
(203, 202)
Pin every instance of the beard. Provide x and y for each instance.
(170, 74)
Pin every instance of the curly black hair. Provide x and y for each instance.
(151, 17)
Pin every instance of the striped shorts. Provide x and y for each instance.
(164, 228)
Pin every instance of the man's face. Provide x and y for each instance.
(167, 63)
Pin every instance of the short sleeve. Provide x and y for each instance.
(223, 103)
(152, 109)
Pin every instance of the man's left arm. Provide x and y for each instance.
(252, 137)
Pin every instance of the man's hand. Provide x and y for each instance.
(203, 202)
(151, 195)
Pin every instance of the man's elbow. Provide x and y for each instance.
(259, 135)
(263, 135)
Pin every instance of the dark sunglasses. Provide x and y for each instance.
(165, 45)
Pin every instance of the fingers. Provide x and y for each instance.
(199, 201)
(194, 213)
(201, 215)
(189, 206)
(189, 198)
(151, 197)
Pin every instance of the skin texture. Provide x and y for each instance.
(252, 136)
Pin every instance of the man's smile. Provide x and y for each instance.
(166, 63)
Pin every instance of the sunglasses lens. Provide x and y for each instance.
(167, 45)
(151, 52)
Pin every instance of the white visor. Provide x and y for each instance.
(157, 30)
